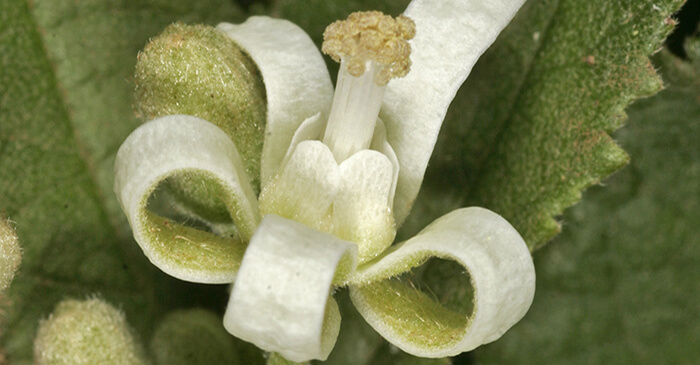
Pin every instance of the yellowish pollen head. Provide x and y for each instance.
(371, 36)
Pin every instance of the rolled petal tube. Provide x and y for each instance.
(500, 268)
(281, 298)
(168, 146)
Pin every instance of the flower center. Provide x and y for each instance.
(372, 48)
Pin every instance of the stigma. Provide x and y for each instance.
(372, 49)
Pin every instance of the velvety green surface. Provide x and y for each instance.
(49, 190)
(525, 135)
(197, 70)
(620, 285)
(10, 253)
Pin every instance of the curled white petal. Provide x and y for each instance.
(379, 143)
(166, 146)
(450, 36)
(281, 298)
(310, 129)
(296, 79)
(500, 269)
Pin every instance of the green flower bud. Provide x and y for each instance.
(86, 332)
(197, 70)
(10, 253)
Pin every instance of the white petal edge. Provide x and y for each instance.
(450, 37)
(296, 79)
(310, 129)
(379, 143)
(499, 264)
(281, 298)
(166, 146)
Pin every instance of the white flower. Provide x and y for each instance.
(338, 176)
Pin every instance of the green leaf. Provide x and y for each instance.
(620, 284)
(529, 129)
(65, 109)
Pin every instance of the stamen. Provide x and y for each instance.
(356, 105)
(372, 48)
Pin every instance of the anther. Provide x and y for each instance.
(372, 49)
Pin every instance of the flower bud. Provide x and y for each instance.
(197, 70)
(10, 253)
(86, 332)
